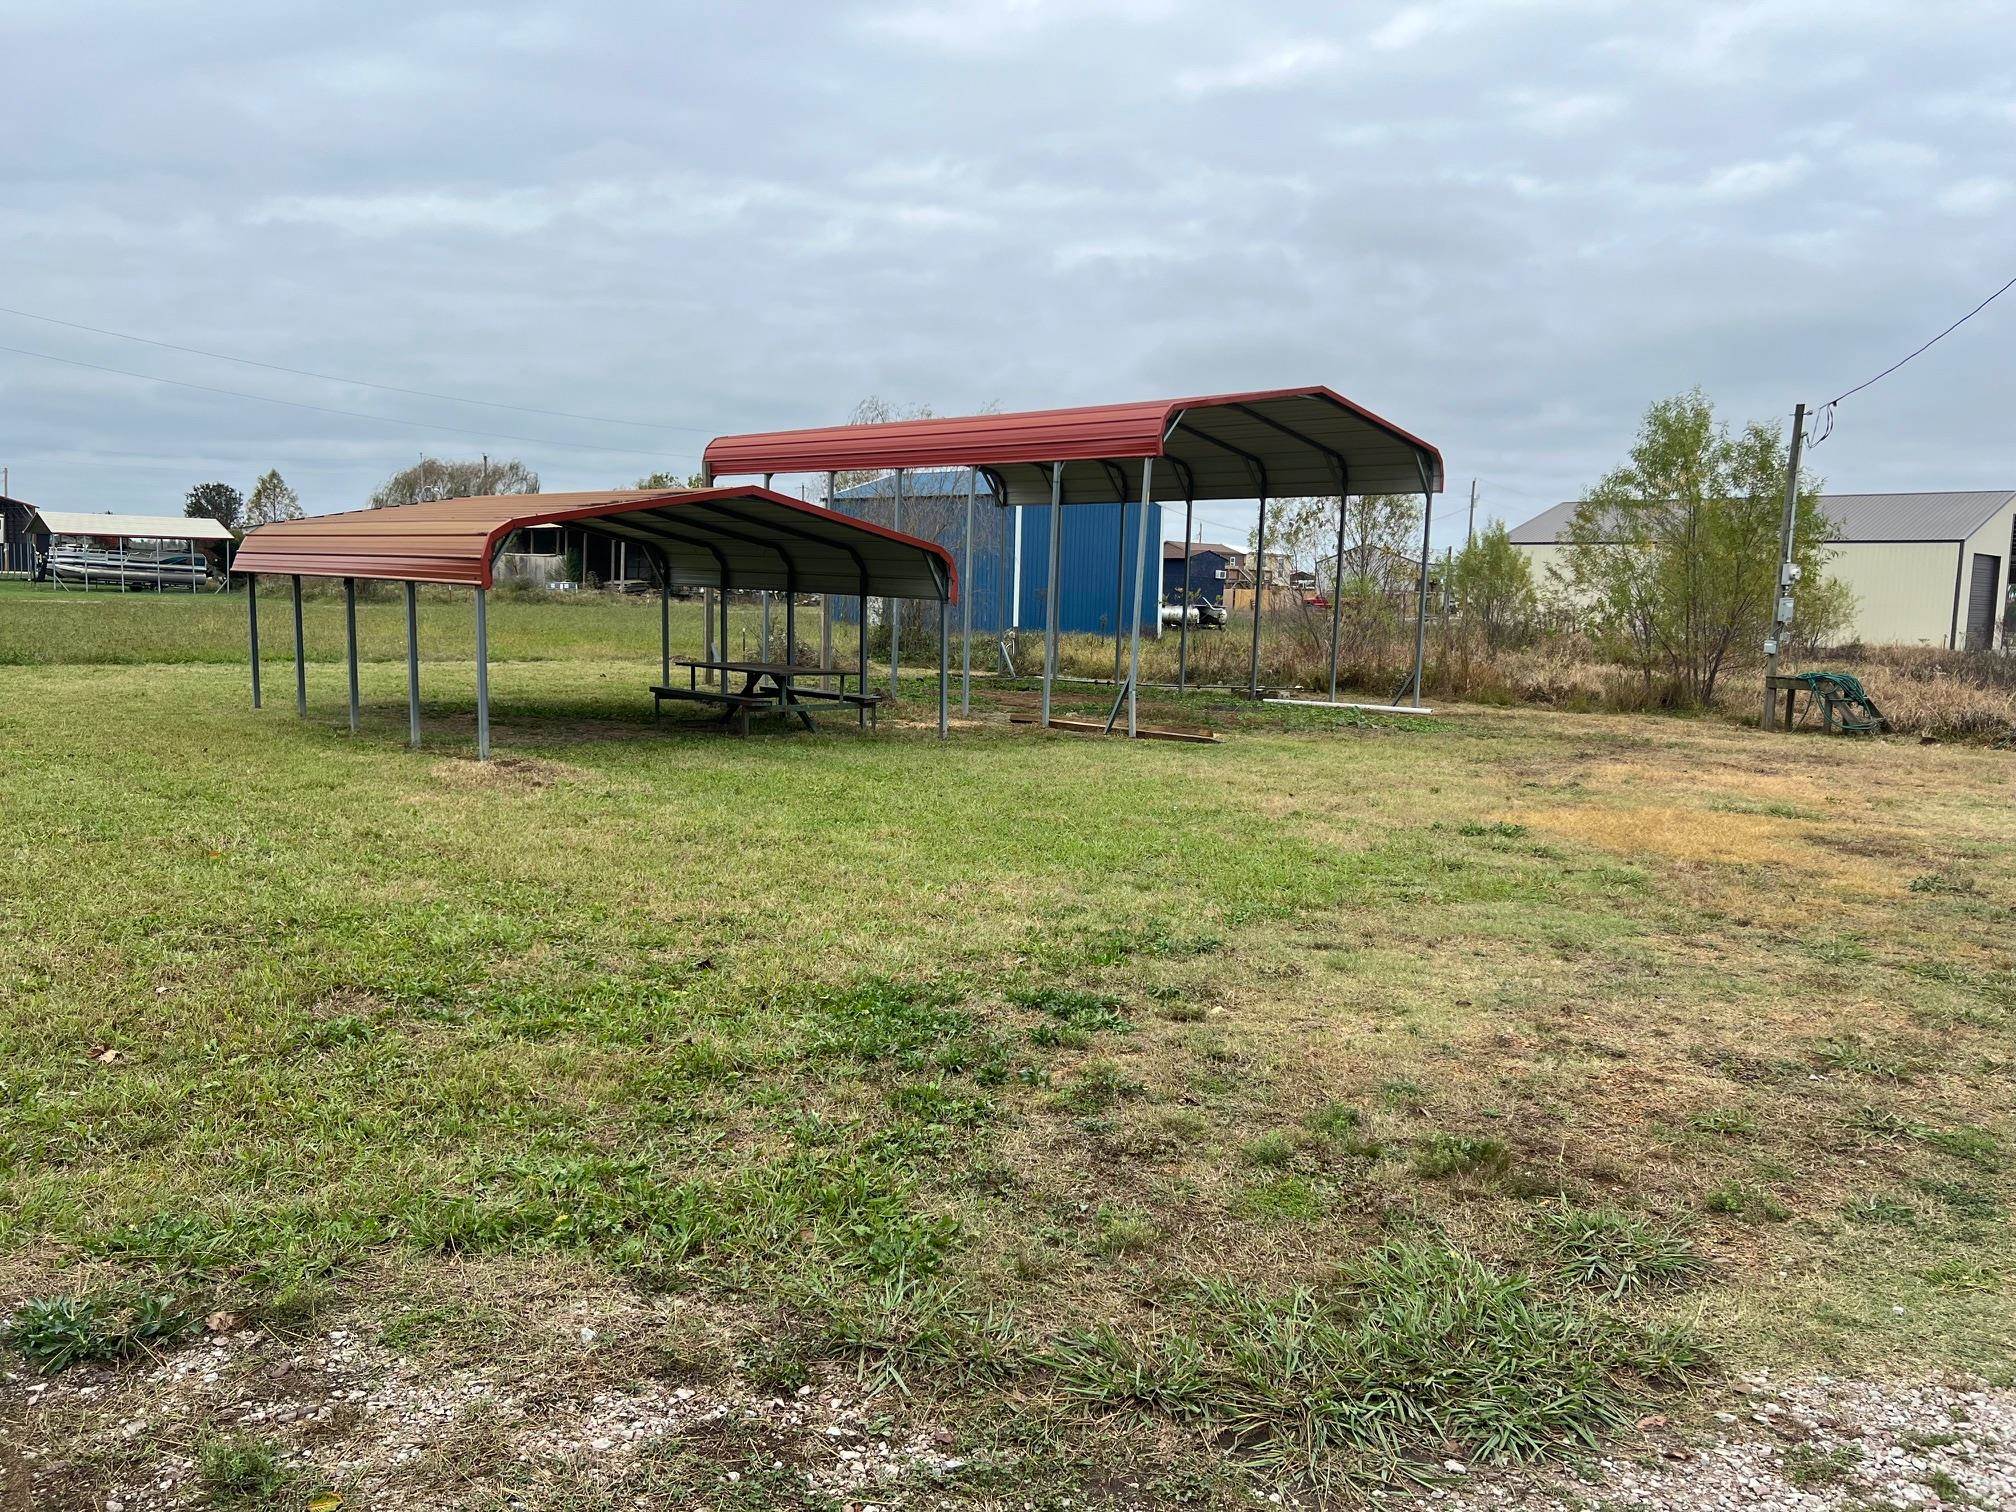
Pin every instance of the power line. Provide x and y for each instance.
(1825, 418)
(275, 367)
(323, 409)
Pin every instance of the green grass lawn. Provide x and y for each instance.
(1303, 1108)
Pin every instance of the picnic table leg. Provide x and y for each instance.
(792, 702)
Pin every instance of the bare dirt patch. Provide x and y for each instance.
(525, 773)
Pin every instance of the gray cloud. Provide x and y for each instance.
(1508, 226)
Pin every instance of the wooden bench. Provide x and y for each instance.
(739, 706)
(735, 706)
(872, 702)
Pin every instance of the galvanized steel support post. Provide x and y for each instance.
(482, 675)
(1140, 578)
(1011, 581)
(350, 643)
(861, 655)
(1421, 600)
(1050, 594)
(722, 672)
(1183, 624)
(664, 619)
(892, 608)
(966, 600)
(1120, 586)
(252, 626)
(413, 666)
(300, 656)
(1337, 590)
(764, 653)
(826, 603)
(790, 656)
(944, 664)
(1259, 574)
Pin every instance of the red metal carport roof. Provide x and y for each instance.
(1288, 443)
(738, 537)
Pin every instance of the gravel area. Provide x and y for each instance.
(390, 1433)
(1815, 1445)
(353, 1417)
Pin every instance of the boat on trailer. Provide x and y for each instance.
(89, 567)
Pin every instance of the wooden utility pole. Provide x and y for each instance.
(1470, 533)
(1781, 599)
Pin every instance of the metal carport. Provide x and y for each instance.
(722, 538)
(47, 525)
(1269, 443)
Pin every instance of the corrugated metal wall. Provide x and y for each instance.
(1092, 552)
(941, 517)
(1098, 589)
(17, 547)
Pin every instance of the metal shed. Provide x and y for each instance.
(1927, 569)
(719, 538)
(1006, 583)
(1268, 443)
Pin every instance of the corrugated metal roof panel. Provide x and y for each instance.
(752, 537)
(1911, 516)
(1219, 443)
(1857, 517)
(131, 527)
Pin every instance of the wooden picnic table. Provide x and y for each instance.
(766, 687)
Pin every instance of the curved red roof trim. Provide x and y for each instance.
(1088, 432)
(455, 541)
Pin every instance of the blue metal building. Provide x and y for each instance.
(1211, 564)
(1099, 543)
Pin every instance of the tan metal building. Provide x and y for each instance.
(1926, 569)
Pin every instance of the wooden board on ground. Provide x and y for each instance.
(1098, 727)
(1324, 703)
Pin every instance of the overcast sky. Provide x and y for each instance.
(1506, 226)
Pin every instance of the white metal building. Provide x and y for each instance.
(1926, 569)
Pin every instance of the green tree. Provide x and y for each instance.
(215, 501)
(1673, 556)
(1377, 532)
(271, 499)
(1493, 583)
(671, 480)
(436, 478)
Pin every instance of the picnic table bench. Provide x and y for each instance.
(767, 687)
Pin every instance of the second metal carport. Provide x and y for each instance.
(1268, 443)
(721, 538)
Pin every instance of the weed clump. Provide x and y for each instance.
(1098, 1087)
(1416, 1349)
(1461, 1155)
(1808, 1466)
(240, 1470)
(1753, 1204)
(1613, 1252)
(54, 1333)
